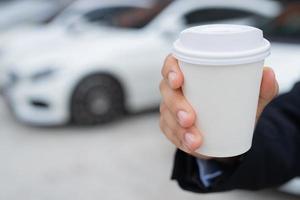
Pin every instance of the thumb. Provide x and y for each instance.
(268, 90)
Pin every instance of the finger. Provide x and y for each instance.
(178, 105)
(172, 72)
(168, 132)
(268, 90)
(190, 139)
(172, 123)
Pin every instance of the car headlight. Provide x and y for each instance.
(43, 74)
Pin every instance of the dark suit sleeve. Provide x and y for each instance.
(273, 159)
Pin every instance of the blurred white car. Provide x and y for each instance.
(13, 12)
(67, 19)
(94, 76)
(29, 39)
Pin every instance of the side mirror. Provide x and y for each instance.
(170, 33)
(76, 26)
(171, 28)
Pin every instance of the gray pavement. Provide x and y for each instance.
(129, 159)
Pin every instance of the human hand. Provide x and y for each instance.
(177, 117)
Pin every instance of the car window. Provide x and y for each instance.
(209, 15)
(126, 16)
(286, 26)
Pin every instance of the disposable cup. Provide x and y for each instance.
(222, 67)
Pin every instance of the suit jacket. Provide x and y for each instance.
(273, 159)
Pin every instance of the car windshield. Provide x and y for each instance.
(286, 26)
(126, 16)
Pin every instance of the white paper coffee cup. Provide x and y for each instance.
(222, 66)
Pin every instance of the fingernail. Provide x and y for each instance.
(273, 73)
(172, 76)
(182, 117)
(270, 70)
(189, 140)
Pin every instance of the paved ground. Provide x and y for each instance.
(126, 160)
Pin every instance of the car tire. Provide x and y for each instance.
(98, 99)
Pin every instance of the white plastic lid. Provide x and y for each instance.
(221, 44)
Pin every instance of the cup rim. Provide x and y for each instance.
(209, 58)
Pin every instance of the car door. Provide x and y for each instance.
(138, 60)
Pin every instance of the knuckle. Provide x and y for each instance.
(180, 144)
(192, 112)
(173, 100)
(180, 134)
(173, 108)
(161, 124)
(162, 108)
(183, 104)
(177, 131)
(165, 67)
(161, 85)
(169, 59)
(174, 128)
(170, 64)
(177, 102)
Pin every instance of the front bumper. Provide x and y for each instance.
(43, 104)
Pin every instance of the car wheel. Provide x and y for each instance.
(97, 99)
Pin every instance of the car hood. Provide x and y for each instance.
(78, 52)
(44, 40)
(18, 32)
(25, 39)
